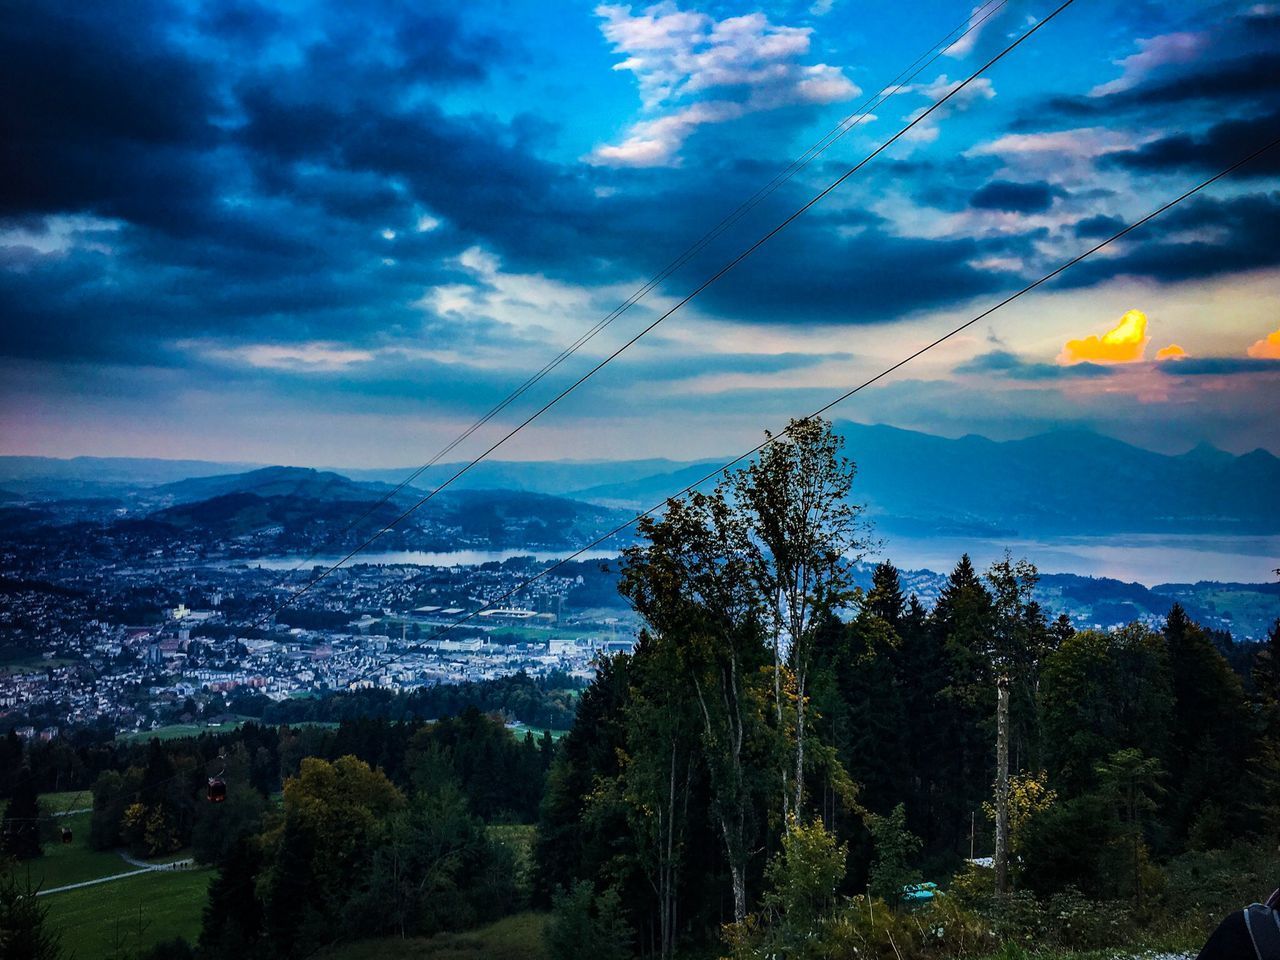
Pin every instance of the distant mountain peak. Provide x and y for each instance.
(1206, 452)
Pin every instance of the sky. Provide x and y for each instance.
(336, 234)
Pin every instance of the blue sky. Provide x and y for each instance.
(335, 234)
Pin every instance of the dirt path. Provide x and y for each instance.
(142, 865)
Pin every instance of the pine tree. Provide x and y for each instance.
(233, 919)
(23, 933)
(21, 838)
(963, 622)
(1211, 732)
(884, 599)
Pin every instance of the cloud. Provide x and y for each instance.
(1015, 197)
(980, 88)
(1098, 226)
(1171, 352)
(1152, 54)
(1005, 363)
(1126, 342)
(978, 20)
(678, 56)
(1202, 237)
(1268, 348)
(1216, 148)
(1221, 366)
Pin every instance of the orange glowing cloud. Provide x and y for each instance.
(1268, 348)
(1126, 342)
(1171, 352)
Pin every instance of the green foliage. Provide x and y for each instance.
(895, 848)
(20, 836)
(588, 926)
(802, 879)
(25, 933)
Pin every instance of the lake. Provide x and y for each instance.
(1145, 558)
(1148, 559)
(424, 558)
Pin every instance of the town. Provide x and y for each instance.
(97, 655)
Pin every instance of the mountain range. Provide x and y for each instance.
(1063, 482)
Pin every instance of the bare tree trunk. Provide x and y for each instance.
(1002, 786)
(801, 679)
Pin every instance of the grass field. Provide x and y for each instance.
(125, 916)
(520, 729)
(176, 731)
(518, 937)
(75, 862)
(66, 800)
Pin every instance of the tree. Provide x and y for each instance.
(803, 878)
(965, 757)
(1020, 639)
(1211, 731)
(334, 818)
(657, 774)
(21, 825)
(234, 921)
(799, 534)
(895, 847)
(585, 926)
(1101, 693)
(1029, 798)
(691, 583)
(884, 599)
(23, 931)
(1131, 782)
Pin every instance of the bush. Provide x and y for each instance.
(585, 926)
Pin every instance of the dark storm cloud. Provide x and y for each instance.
(1169, 249)
(814, 272)
(1253, 78)
(111, 118)
(1016, 197)
(1098, 226)
(1219, 366)
(1220, 146)
(1003, 363)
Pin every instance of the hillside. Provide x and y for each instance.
(301, 482)
(1063, 482)
(454, 518)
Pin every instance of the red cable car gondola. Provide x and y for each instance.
(217, 791)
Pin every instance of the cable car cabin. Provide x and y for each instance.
(66, 834)
(217, 792)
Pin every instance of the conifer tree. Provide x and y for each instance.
(22, 819)
(24, 929)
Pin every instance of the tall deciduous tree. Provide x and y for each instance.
(800, 534)
(691, 583)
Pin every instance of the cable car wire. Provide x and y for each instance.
(726, 268)
(887, 371)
